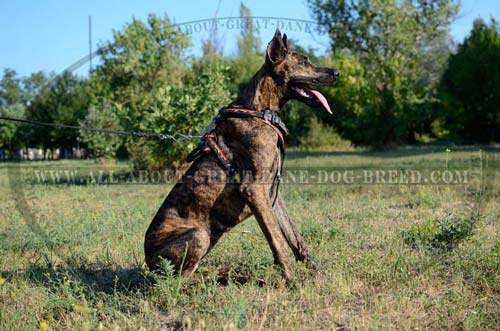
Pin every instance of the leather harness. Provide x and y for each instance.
(208, 142)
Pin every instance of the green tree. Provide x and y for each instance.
(37, 88)
(186, 109)
(391, 40)
(9, 130)
(471, 88)
(249, 57)
(140, 59)
(10, 106)
(103, 145)
(10, 88)
(138, 65)
(62, 100)
(33, 85)
(154, 87)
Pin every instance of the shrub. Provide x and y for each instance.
(444, 233)
(184, 109)
(321, 136)
(103, 145)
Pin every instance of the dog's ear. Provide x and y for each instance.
(276, 49)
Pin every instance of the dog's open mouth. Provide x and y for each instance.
(312, 97)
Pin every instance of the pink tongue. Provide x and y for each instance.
(322, 100)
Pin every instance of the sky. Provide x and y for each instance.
(51, 35)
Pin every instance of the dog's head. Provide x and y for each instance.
(296, 74)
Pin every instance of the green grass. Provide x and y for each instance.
(75, 260)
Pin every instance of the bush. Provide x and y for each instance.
(188, 108)
(321, 136)
(104, 146)
(443, 234)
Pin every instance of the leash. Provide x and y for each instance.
(208, 140)
(160, 136)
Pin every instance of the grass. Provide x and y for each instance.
(72, 259)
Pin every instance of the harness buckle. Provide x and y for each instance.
(267, 115)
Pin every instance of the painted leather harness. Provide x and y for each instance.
(208, 142)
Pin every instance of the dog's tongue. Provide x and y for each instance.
(322, 100)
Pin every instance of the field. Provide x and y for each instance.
(392, 255)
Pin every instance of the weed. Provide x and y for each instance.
(444, 233)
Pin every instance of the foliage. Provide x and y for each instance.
(471, 87)
(352, 99)
(103, 145)
(10, 106)
(10, 88)
(249, 57)
(390, 39)
(187, 109)
(61, 100)
(391, 54)
(140, 66)
(8, 130)
(321, 136)
(141, 58)
(296, 117)
(443, 233)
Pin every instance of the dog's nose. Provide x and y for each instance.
(336, 73)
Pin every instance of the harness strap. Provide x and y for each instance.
(269, 116)
(209, 142)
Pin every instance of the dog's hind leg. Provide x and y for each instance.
(291, 233)
(183, 250)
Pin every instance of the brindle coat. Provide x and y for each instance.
(204, 205)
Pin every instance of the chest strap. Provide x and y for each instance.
(209, 140)
(267, 116)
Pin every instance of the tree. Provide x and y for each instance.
(153, 87)
(8, 130)
(471, 87)
(61, 100)
(138, 65)
(10, 106)
(188, 108)
(140, 59)
(391, 40)
(103, 145)
(249, 57)
(10, 88)
(33, 85)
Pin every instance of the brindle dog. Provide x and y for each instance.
(197, 212)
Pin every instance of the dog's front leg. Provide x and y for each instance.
(259, 202)
(291, 233)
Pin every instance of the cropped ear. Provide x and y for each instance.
(276, 49)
